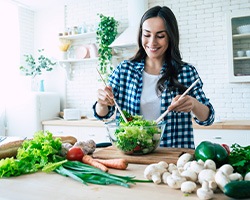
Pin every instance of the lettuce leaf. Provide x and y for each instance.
(32, 155)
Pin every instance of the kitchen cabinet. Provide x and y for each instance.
(238, 40)
(228, 132)
(78, 41)
(222, 136)
(98, 134)
(82, 129)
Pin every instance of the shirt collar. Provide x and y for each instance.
(140, 66)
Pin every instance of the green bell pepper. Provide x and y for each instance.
(208, 150)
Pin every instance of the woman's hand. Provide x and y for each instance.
(104, 99)
(105, 96)
(184, 104)
(188, 104)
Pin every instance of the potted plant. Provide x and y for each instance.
(106, 33)
(34, 68)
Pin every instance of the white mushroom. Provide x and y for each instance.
(235, 177)
(154, 171)
(172, 167)
(209, 176)
(226, 169)
(164, 176)
(187, 165)
(247, 177)
(221, 179)
(175, 180)
(188, 187)
(205, 192)
(210, 164)
(180, 169)
(197, 166)
(183, 159)
(212, 185)
(206, 175)
(190, 175)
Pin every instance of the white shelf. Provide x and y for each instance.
(78, 36)
(241, 36)
(67, 64)
(242, 58)
(78, 60)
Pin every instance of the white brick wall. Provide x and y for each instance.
(26, 20)
(203, 43)
(82, 89)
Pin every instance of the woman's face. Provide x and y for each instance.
(154, 38)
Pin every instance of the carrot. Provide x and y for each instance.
(118, 163)
(87, 159)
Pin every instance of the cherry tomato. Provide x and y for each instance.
(226, 147)
(129, 118)
(75, 154)
(137, 148)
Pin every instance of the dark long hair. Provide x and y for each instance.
(172, 55)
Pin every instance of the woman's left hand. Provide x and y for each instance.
(185, 104)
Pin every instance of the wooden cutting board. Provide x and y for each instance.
(169, 155)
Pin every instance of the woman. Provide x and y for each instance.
(153, 80)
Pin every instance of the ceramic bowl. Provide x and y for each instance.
(240, 53)
(135, 140)
(243, 29)
(248, 53)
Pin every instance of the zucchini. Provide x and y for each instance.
(237, 189)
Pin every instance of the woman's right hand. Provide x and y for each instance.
(105, 96)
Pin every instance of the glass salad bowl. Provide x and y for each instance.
(136, 138)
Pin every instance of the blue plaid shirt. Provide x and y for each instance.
(126, 82)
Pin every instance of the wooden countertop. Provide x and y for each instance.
(81, 122)
(229, 124)
(52, 186)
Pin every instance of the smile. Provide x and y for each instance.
(153, 49)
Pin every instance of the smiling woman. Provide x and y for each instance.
(9, 52)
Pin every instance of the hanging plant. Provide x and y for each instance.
(33, 67)
(106, 33)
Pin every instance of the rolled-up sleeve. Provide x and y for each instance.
(110, 113)
(210, 118)
(188, 77)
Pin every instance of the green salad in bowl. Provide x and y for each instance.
(137, 137)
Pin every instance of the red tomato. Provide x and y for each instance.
(75, 154)
(226, 147)
(129, 119)
(137, 148)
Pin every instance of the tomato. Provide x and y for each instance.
(129, 118)
(75, 154)
(137, 148)
(226, 147)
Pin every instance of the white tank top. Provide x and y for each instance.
(150, 106)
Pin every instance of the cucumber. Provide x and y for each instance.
(237, 189)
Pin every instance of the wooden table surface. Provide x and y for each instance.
(228, 124)
(52, 186)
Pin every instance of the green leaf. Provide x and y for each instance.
(106, 33)
(32, 155)
(34, 68)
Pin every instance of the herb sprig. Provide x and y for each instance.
(239, 158)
